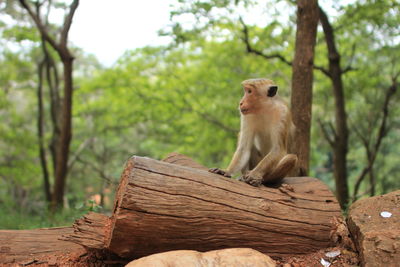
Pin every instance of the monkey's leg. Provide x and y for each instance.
(264, 168)
(282, 169)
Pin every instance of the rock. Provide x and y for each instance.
(376, 234)
(238, 257)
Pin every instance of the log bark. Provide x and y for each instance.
(50, 247)
(38, 247)
(162, 206)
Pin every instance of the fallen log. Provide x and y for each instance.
(38, 247)
(161, 207)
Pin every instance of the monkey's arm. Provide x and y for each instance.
(242, 154)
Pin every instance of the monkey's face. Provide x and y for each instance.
(257, 98)
(251, 102)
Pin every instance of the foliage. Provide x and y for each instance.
(183, 98)
(19, 218)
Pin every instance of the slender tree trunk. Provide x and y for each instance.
(40, 125)
(55, 105)
(66, 134)
(302, 79)
(340, 141)
(372, 181)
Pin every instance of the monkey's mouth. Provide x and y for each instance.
(245, 111)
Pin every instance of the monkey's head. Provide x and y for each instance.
(257, 92)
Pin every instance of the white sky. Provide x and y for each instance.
(108, 28)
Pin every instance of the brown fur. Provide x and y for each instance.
(266, 126)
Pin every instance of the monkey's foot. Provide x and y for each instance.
(251, 179)
(220, 172)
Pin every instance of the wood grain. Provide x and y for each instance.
(90, 230)
(38, 246)
(162, 206)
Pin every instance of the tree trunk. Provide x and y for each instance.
(302, 79)
(55, 104)
(40, 125)
(61, 47)
(65, 137)
(161, 206)
(340, 142)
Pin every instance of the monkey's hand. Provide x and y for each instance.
(252, 179)
(220, 172)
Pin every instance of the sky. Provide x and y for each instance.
(108, 28)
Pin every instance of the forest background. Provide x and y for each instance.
(183, 97)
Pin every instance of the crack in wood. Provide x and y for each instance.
(146, 168)
(236, 222)
(252, 197)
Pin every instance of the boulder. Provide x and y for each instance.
(238, 257)
(375, 226)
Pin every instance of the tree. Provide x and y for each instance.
(371, 144)
(338, 140)
(370, 14)
(302, 79)
(61, 47)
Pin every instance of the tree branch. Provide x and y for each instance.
(359, 180)
(363, 138)
(325, 132)
(77, 153)
(371, 155)
(362, 194)
(323, 70)
(385, 113)
(215, 121)
(97, 169)
(349, 67)
(67, 23)
(40, 26)
(250, 49)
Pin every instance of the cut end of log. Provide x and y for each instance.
(90, 231)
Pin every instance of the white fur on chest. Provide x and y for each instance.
(263, 142)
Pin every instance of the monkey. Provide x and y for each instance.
(266, 128)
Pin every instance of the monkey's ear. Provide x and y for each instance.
(272, 90)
